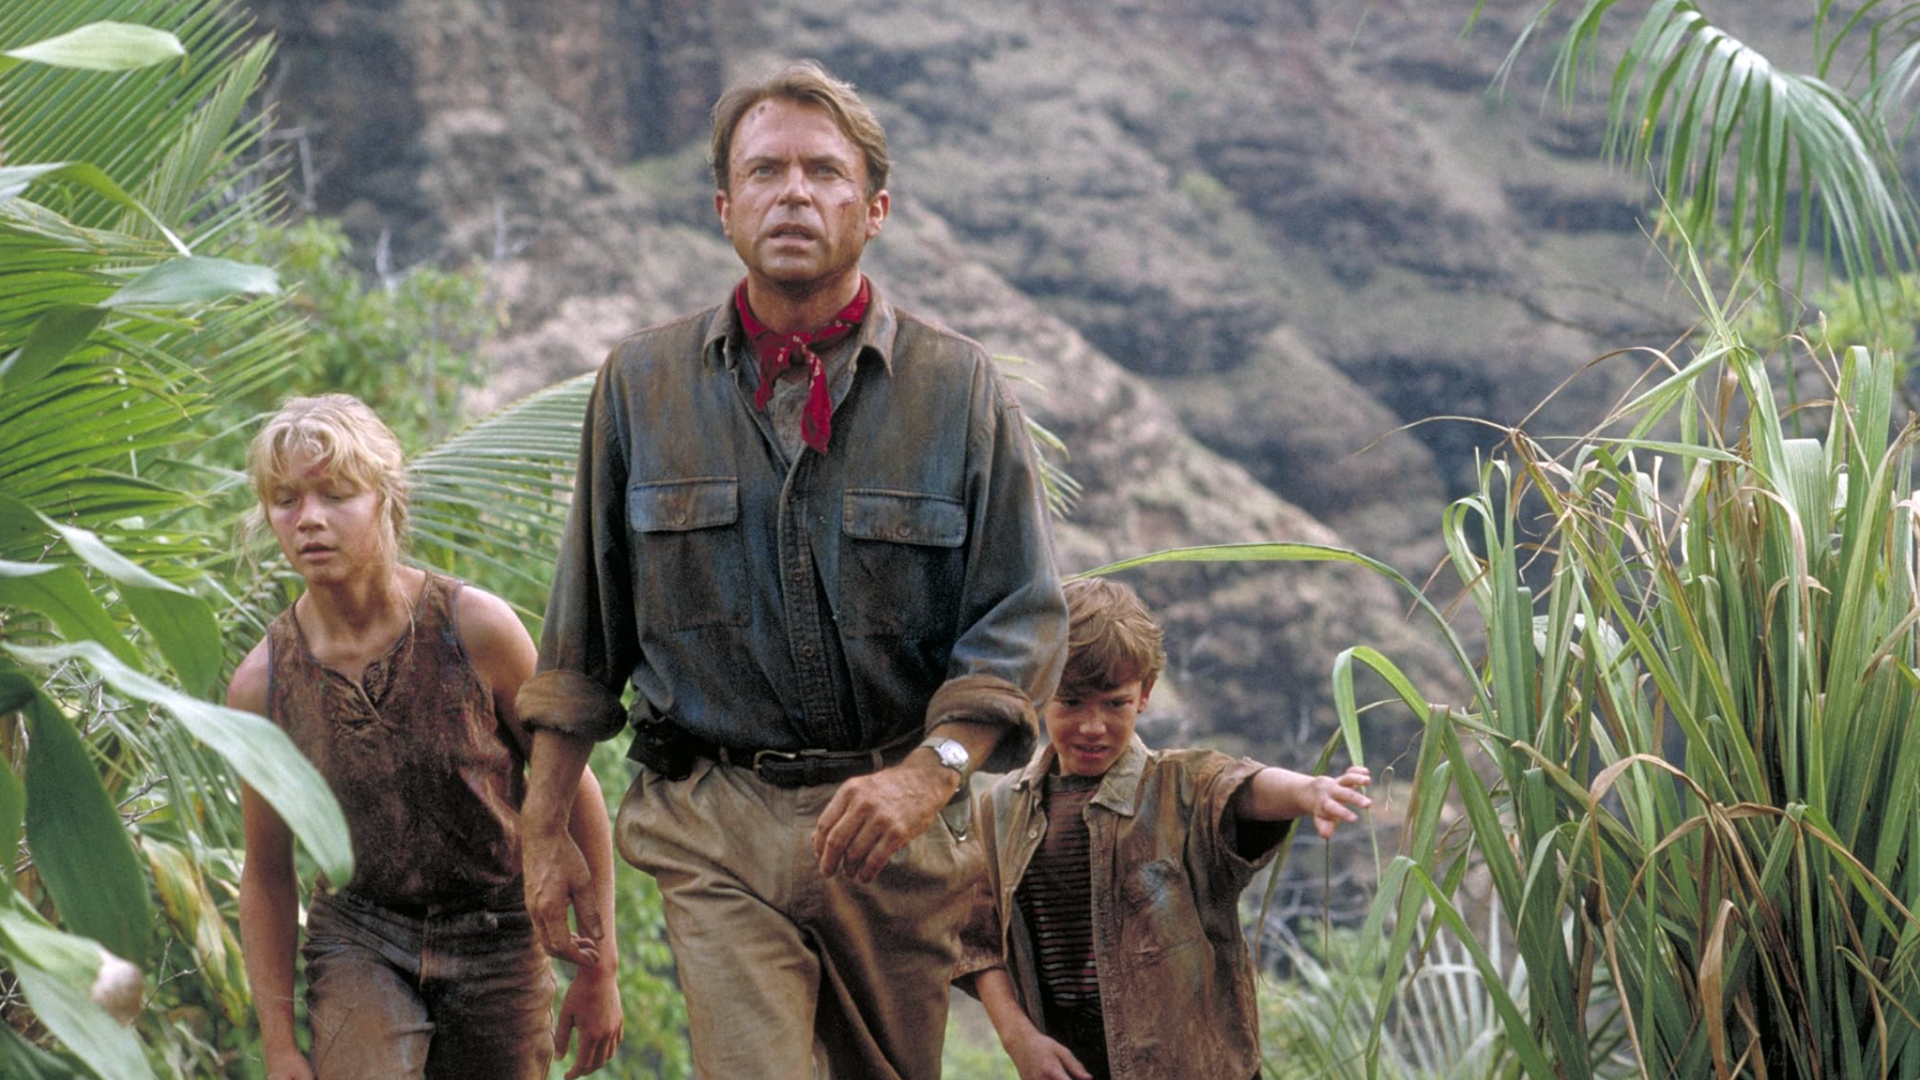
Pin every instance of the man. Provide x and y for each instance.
(807, 528)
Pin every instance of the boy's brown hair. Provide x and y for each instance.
(1111, 637)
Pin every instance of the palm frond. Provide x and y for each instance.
(494, 495)
(1807, 167)
(120, 334)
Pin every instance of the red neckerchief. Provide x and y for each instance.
(776, 351)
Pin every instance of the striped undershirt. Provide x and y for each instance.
(1056, 897)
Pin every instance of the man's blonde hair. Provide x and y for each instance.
(804, 81)
(1111, 637)
(354, 444)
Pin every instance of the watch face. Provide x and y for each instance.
(952, 754)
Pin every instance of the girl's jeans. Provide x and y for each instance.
(436, 992)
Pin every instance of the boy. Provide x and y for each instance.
(1110, 945)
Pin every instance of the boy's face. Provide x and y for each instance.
(1090, 728)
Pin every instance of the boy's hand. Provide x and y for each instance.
(1037, 1057)
(591, 1007)
(1276, 794)
(1333, 797)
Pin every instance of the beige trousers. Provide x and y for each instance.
(788, 974)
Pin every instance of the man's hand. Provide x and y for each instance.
(556, 879)
(871, 817)
(592, 1008)
(1037, 1057)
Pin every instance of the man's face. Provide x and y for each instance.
(796, 207)
(1090, 728)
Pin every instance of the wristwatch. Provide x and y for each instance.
(951, 754)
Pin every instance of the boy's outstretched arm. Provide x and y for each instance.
(1035, 1056)
(1276, 794)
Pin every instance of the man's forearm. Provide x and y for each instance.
(991, 703)
(553, 782)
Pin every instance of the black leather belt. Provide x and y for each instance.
(803, 768)
(670, 750)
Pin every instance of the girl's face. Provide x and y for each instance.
(329, 528)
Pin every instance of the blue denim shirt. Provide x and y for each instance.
(845, 600)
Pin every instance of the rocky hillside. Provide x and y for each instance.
(1250, 247)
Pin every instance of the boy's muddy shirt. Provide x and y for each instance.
(428, 782)
(1168, 860)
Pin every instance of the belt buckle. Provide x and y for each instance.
(785, 757)
(808, 761)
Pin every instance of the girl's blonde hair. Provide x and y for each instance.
(350, 441)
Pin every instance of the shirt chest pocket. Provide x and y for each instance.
(1160, 909)
(902, 563)
(689, 560)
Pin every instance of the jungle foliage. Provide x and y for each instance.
(1668, 832)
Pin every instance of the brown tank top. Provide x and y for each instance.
(428, 779)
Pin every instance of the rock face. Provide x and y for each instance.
(1251, 249)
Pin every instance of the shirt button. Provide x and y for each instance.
(902, 532)
(806, 650)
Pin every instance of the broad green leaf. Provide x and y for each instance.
(57, 972)
(19, 524)
(193, 279)
(256, 748)
(21, 1060)
(1255, 551)
(81, 848)
(55, 335)
(15, 179)
(181, 623)
(102, 46)
(61, 594)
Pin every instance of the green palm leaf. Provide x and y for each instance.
(125, 326)
(1804, 163)
(492, 498)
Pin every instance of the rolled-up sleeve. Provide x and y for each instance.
(589, 645)
(1013, 618)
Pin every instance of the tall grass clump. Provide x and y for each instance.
(1682, 766)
